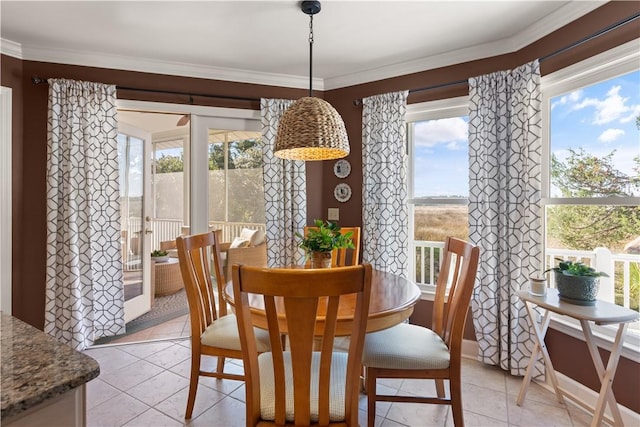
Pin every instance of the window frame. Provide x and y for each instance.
(607, 65)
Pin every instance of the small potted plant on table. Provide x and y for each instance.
(576, 282)
(321, 240)
(159, 255)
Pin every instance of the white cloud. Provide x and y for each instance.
(610, 135)
(573, 97)
(442, 131)
(609, 109)
(454, 145)
(635, 113)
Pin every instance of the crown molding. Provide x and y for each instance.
(550, 23)
(145, 65)
(10, 48)
(428, 63)
(558, 19)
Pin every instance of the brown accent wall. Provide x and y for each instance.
(10, 76)
(29, 150)
(571, 357)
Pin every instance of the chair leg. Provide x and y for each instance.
(440, 388)
(193, 384)
(455, 388)
(220, 365)
(370, 384)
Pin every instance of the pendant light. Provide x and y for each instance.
(311, 129)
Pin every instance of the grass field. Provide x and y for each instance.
(435, 223)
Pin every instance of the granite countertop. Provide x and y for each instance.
(36, 367)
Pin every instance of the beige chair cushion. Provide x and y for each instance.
(223, 333)
(336, 389)
(405, 346)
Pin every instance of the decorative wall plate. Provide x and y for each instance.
(342, 192)
(342, 168)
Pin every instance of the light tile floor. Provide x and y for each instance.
(146, 384)
(176, 328)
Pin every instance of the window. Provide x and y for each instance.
(236, 191)
(438, 182)
(168, 182)
(591, 172)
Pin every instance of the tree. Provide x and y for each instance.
(166, 164)
(585, 227)
(216, 156)
(243, 154)
(247, 154)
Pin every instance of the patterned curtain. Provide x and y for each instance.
(84, 284)
(285, 191)
(384, 183)
(504, 208)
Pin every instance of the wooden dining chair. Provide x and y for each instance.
(339, 256)
(214, 331)
(410, 351)
(302, 386)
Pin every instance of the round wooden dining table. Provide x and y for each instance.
(392, 301)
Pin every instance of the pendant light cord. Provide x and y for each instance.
(310, 55)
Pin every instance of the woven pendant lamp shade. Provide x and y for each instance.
(311, 129)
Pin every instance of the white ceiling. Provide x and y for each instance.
(266, 42)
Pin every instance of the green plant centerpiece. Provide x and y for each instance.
(159, 255)
(321, 240)
(576, 282)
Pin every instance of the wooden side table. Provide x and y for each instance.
(602, 313)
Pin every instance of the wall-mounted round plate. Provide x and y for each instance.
(342, 192)
(342, 168)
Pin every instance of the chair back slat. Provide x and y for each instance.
(300, 298)
(195, 254)
(455, 279)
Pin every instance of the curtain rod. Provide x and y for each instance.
(38, 80)
(577, 43)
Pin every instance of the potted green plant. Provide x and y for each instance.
(321, 240)
(576, 282)
(159, 255)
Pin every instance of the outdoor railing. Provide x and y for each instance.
(168, 229)
(621, 268)
(425, 262)
(233, 229)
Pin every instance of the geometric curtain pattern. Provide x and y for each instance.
(504, 209)
(385, 216)
(285, 191)
(84, 297)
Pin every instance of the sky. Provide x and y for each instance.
(599, 118)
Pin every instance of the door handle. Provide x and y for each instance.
(148, 231)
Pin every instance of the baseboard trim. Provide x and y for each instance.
(578, 393)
